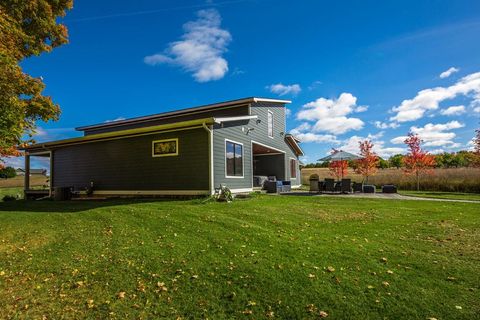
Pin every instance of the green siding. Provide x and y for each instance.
(127, 164)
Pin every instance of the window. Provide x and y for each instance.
(270, 124)
(165, 148)
(234, 159)
(293, 168)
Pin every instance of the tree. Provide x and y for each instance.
(383, 164)
(367, 166)
(396, 161)
(417, 161)
(338, 168)
(8, 172)
(476, 148)
(27, 28)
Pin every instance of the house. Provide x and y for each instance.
(185, 152)
(21, 172)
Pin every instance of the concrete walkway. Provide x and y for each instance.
(387, 196)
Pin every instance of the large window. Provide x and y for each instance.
(293, 168)
(234, 159)
(270, 124)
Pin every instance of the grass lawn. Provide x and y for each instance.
(442, 195)
(271, 256)
(11, 192)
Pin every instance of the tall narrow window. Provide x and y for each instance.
(293, 168)
(233, 159)
(270, 124)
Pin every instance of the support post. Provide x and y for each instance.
(50, 179)
(26, 185)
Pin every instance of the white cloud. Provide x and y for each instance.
(288, 112)
(434, 135)
(384, 125)
(317, 138)
(282, 89)
(43, 135)
(352, 145)
(314, 85)
(200, 49)
(116, 119)
(449, 72)
(429, 99)
(330, 115)
(476, 109)
(453, 111)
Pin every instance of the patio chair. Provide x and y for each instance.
(357, 187)
(329, 185)
(346, 185)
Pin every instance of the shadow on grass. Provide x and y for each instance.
(49, 206)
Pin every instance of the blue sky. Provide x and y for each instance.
(353, 69)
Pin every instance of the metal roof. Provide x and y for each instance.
(180, 112)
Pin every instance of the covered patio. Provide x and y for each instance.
(268, 163)
(37, 192)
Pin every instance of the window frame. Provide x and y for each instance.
(270, 113)
(167, 154)
(243, 158)
(295, 161)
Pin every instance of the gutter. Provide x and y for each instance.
(210, 160)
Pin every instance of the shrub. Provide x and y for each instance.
(9, 198)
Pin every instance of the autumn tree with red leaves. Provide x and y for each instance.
(367, 166)
(338, 168)
(417, 161)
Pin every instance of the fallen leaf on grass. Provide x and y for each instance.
(90, 304)
(247, 311)
(311, 276)
(389, 271)
(121, 295)
(323, 314)
(458, 307)
(385, 283)
(330, 269)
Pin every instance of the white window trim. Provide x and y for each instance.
(268, 133)
(168, 154)
(290, 167)
(243, 159)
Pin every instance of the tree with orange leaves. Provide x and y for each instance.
(367, 165)
(338, 168)
(417, 161)
(27, 28)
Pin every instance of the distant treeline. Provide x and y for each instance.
(442, 160)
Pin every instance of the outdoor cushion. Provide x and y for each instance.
(368, 188)
(389, 188)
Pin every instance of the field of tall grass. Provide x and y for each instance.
(449, 179)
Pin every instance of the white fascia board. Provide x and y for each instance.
(229, 119)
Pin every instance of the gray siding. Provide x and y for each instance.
(127, 164)
(233, 131)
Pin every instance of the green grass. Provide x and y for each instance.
(266, 256)
(442, 195)
(11, 192)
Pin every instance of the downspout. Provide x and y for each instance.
(210, 161)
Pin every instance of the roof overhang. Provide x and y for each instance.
(294, 143)
(231, 119)
(231, 103)
(120, 134)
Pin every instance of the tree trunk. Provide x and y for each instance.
(418, 181)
